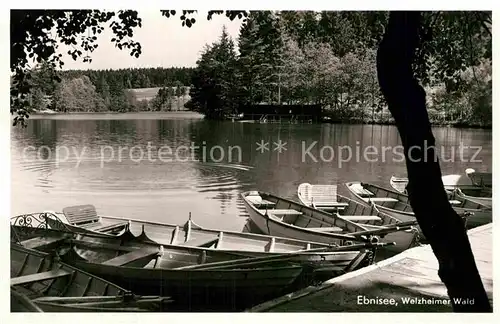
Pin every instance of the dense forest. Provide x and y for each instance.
(329, 58)
(109, 90)
(289, 57)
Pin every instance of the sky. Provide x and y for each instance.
(165, 42)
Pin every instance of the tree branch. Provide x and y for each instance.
(483, 23)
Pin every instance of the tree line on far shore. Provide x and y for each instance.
(291, 57)
(109, 90)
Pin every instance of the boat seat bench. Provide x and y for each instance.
(42, 276)
(99, 227)
(326, 229)
(131, 256)
(40, 242)
(282, 212)
(330, 205)
(81, 214)
(383, 199)
(259, 202)
(359, 218)
(265, 203)
(360, 190)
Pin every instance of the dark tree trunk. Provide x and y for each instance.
(442, 226)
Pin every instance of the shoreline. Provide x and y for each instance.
(111, 115)
(187, 114)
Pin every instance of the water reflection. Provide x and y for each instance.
(117, 166)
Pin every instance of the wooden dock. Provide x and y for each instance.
(407, 282)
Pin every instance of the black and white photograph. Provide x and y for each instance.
(257, 161)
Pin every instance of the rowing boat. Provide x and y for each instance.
(172, 265)
(471, 180)
(282, 217)
(450, 182)
(480, 179)
(397, 204)
(165, 273)
(456, 189)
(190, 234)
(473, 196)
(53, 286)
(174, 256)
(325, 198)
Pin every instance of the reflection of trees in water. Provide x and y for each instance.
(176, 132)
(42, 132)
(116, 131)
(36, 149)
(225, 182)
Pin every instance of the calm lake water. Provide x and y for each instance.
(147, 166)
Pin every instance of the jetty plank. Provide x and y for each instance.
(410, 279)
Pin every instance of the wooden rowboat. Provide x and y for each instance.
(450, 182)
(278, 216)
(479, 195)
(397, 204)
(325, 198)
(457, 189)
(169, 271)
(471, 180)
(53, 286)
(480, 179)
(190, 234)
(334, 259)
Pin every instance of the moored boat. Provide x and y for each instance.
(278, 216)
(173, 256)
(471, 180)
(190, 234)
(53, 286)
(397, 204)
(480, 179)
(474, 196)
(462, 190)
(325, 198)
(165, 274)
(175, 269)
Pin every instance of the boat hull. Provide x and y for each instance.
(71, 283)
(403, 239)
(190, 234)
(217, 289)
(472, 197)
(478, 216)
(486, 202)
(271, 226)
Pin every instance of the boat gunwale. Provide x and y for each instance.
(279, 239)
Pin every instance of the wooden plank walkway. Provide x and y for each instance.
(407, 282)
